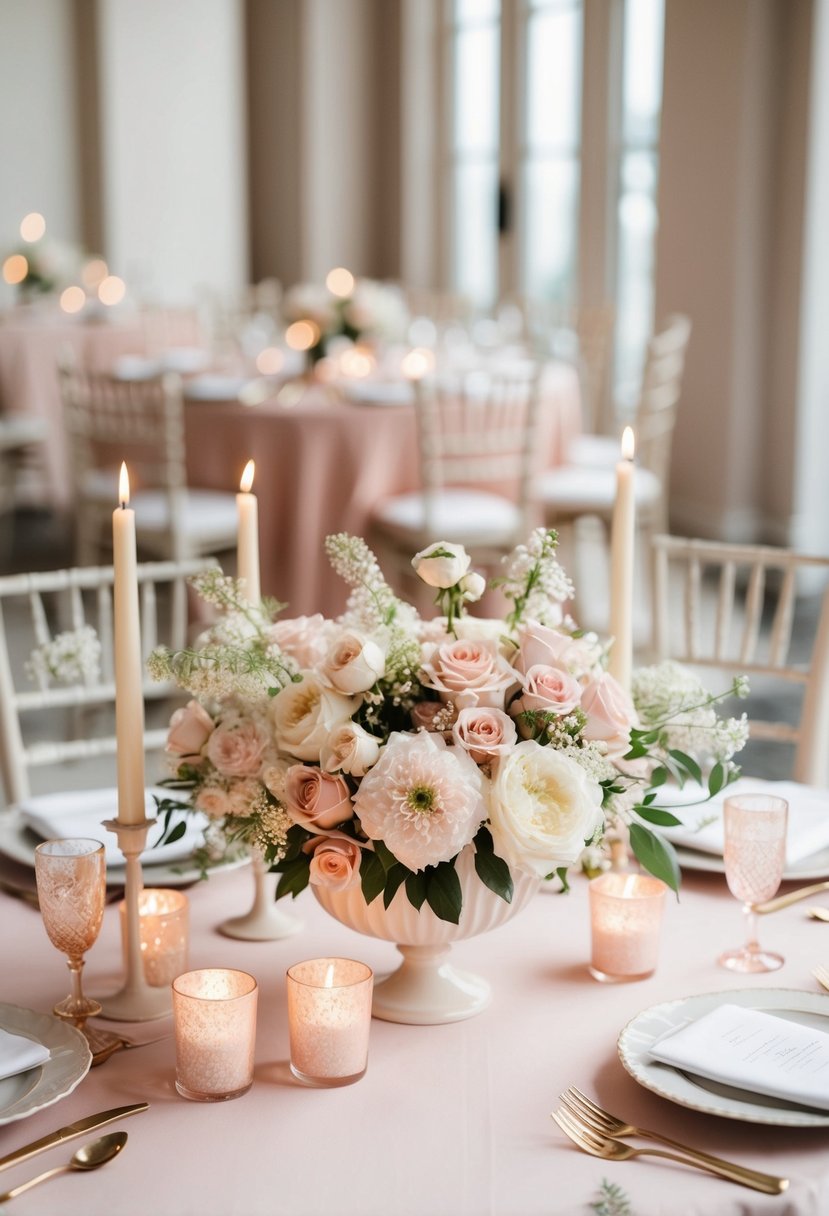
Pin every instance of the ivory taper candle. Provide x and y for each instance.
(247, 545)
(621, 565)
(129, 695)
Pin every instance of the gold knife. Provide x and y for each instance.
(70, 1132)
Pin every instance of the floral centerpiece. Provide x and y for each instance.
(372, 311)
(375, 751)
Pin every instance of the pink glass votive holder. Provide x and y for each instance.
(164, 926)
(625, 922)
(214, 1017)
(329, 1015)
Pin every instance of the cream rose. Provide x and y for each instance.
(354, 663)
(316, 800)
(484, 733)
(305, 714)
(304, 638)
(468, 672)
(543, 807)
(190, 728)
(442, 564)
(610, 714)
(350, 749)
(335, 864)
(236, 747)
(547, 689)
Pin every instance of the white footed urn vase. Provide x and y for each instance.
(427, 989)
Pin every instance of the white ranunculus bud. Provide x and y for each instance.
(472, 586)
(349, 749)
(354, 663)
(442, 564)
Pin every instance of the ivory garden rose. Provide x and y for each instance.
(304, 715)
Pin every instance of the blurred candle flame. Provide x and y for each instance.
(246, 484)
(124, 485)
(628, 443)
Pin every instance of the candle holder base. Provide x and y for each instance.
(136, 1001)
(264, 922)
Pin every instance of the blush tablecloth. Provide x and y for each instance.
(449, 1120)
(31, 342)
(322, 464)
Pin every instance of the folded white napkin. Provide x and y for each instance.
(215, 387)
(80, 812)
(18, 1054)
(808, 827)
(753, 1050)
(378, 392)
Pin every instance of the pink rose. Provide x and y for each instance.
(236, 747)
(468, 672)
(539, 645)
(212, 801)
(304, 638)
(548, 689)
(335, 864)
(316, 800)
(190, 728)
(484, 733)
(610, 714)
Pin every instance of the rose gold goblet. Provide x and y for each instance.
(71, 890)
(755, 857)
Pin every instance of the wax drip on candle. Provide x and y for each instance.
(628, 443)
(329, 977)
(123, 486)
(246, 483)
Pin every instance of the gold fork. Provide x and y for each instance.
(599, 1120)
(103, 1043)
(617, 1150)
(821, 974)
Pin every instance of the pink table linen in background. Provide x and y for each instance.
(449, 1120)
(322, 465)
(31, 343)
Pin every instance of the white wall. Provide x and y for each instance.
(38, 138)
(173, 144)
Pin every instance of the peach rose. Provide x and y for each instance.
(236, 747)
(610, 714)
(190, 728)
(484, 733)
(316, 800)
(548, 689)
(354, 663)
(468, 672)
(335, 864)
(213, 801)
(538, 645)
(304, 638)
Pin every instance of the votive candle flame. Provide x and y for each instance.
(329, 1015)
(214, 1016)
(625, 921)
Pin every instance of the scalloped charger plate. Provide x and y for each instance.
(66, 1067)
(711, 1097)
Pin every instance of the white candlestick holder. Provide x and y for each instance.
(136, 1001)
(264, 922)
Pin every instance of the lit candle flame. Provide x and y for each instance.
(329, 977)
(247, 478)
(629, 887)
(124, 485)
(340, 282)
(628, 443)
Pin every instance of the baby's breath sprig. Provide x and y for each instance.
(219, 670)
(535, 581)
(372, 604)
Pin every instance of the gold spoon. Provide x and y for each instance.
(817, 913)
(88, 1157)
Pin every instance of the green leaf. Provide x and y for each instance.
(561, 872)
(372, 875)
(655, 814)
(656, 855)
(494, 873)
(648, 799)
(687, 762)
(658, 777)
(717, 778)
(175, 833)
(394, 879)
(385, 856)
(416, 889)
(443, 892)
(293, 877)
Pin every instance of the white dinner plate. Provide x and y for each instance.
(712, 1097)
(68, 1063)
(808, 868)
(19, 842)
